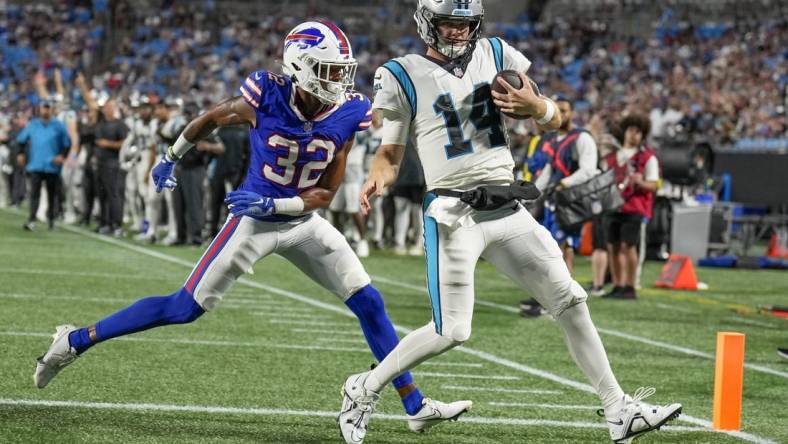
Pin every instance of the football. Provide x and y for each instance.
(513, 78)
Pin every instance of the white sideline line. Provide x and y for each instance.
(463, 376)
(207, 342)
(544, 406)
(342, 310)
(627, 336)
(688, 351)
(329, 332)
(308, 413)
(452, 364)
(501, 390)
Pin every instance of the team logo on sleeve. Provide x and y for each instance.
(305, 38)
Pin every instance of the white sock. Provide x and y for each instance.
(588, 352)
(415, 348)
(377, 215)
(401, 220)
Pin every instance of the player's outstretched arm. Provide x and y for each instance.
(382, 173)
(233, 111)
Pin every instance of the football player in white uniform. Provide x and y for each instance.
(443, 100)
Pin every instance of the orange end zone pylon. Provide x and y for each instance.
(678, 273)
(728, 381)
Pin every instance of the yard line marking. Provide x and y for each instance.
(751, 322)
(342, 310)
(675, 308)
(110, 299)
(283, 316)
(463, 376)
(453, 364)
(544, 406)
(688, 351)
(627, 336)
(80, 273)
(330, 332)
(310, 413)
(304, 321)
(207, 342)
(502, 390)
(345, 340)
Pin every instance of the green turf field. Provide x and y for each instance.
(268, 365)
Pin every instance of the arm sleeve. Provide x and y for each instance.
(587, 161)
(514, 59)
(651, 172)
(252, 89)
(23, 135)
(366, 120)
(543, 179)
(389, 94)
(395, 129)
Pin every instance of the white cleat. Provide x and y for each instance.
(638, 417)
(362, 248)
(59, 355)
(434, 412)
(357, 406)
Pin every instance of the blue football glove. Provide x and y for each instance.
(162, 175)
(247, 203)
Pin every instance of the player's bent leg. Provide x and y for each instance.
(69, 342)
(367, 305)
(225, 260)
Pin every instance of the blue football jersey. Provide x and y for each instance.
(288, 152)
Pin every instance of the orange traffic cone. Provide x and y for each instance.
(678, 274)
(586, 240)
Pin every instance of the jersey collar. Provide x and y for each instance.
(297, 112)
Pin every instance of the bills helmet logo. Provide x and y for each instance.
(305, 38)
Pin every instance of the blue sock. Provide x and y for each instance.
(368, 307)
(177, 308)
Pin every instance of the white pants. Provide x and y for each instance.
(311, 244)
(514, 243)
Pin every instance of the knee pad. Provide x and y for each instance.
(182, 308)
(456, 331)
(571, 295)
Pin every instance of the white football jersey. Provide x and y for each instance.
(456, 128)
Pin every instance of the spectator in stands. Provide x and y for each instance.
(637, 173)
(47, 144)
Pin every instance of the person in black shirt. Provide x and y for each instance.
(110, 133)
(224, 172)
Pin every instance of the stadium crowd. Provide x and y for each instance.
(124, 81)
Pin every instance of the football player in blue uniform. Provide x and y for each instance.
(302, 126)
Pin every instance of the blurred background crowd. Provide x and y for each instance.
(124, 77)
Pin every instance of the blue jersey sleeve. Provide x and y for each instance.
(254, 87)
(364, 107)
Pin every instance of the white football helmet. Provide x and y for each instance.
(430, 13)
(318, 58)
